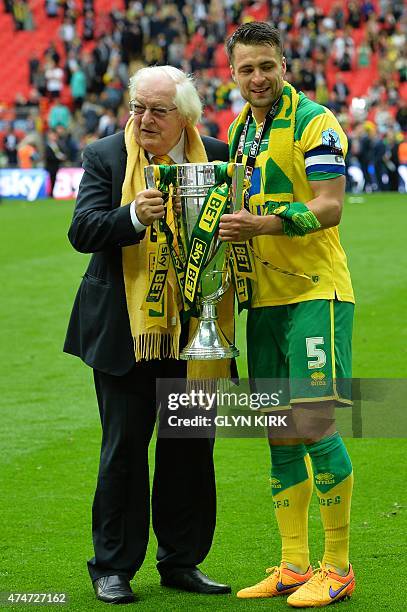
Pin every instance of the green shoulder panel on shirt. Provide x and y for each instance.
(306, 111)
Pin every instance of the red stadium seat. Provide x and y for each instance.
(17, 47)
(223, 118)
(220, 58)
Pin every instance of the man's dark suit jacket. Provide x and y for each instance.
(99, 328)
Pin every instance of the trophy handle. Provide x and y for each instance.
(149, 177)
(235, 200)
(151, 183)
(237, 187)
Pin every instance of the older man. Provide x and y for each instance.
(114, 333)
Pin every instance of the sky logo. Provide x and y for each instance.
(23, 184)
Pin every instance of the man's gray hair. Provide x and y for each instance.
(186, 97)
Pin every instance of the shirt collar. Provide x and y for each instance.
(176, 153)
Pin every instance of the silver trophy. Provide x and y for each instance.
(193, 182)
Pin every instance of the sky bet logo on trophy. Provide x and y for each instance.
(203, 264)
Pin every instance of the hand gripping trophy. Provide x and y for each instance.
(201, 261)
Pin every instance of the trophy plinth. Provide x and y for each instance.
(209, 341)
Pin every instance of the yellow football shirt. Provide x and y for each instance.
(318, 139)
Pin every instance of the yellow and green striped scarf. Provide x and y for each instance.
(280, 153)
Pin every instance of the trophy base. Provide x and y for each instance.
(209, 343)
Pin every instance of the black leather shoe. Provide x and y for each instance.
(192, 579)
(113, 590)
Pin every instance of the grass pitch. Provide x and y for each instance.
(49, 435)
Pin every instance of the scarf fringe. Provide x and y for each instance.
(157, 345)
(210, 385)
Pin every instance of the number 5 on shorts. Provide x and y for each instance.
(314, 352)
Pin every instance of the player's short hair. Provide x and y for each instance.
(186, 97)
(254, 33)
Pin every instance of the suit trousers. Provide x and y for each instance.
(183, 498)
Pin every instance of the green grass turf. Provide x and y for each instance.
(49, 435)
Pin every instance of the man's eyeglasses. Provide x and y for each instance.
(157, 113)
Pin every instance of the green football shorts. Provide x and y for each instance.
(305, 349)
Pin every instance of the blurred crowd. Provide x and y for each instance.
(79, 84)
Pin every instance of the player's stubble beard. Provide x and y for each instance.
(268, 101)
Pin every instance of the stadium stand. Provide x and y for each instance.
(16, 47)
(350, 56)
